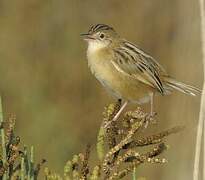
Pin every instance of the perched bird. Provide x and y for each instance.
(127, 71)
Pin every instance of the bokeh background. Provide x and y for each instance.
(45, 81)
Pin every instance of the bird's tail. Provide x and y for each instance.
(182, 87)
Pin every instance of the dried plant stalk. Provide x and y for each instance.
(3, 143)
(118, 150)
(15, 163)
(201, 123)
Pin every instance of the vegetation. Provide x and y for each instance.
(45, 80)
(119, 148)
(15, 163)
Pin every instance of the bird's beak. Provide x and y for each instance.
(87, 36)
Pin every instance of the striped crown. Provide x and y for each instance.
(99, 27)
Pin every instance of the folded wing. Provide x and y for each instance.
(134, 62)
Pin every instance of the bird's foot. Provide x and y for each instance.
(150, 118)
(108, 123)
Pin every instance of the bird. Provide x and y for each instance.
(126, 71)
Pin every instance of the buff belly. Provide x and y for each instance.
(119, 84)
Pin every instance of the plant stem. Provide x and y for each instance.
(22, 169)
(3, 143)
(201, 124)
(31, 169)
(134, 174)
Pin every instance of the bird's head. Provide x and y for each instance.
(100, 36)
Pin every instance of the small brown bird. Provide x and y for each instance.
(127, 71)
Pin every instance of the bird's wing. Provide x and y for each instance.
(134, 62)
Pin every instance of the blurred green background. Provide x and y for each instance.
(45, 81)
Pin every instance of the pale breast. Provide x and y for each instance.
(104, 71)
(120, 85)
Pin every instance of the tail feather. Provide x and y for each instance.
(182, 87)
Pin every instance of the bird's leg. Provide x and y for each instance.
(152, 103)
(118, 113)
(150, 116)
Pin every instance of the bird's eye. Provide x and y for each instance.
(102, 35)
